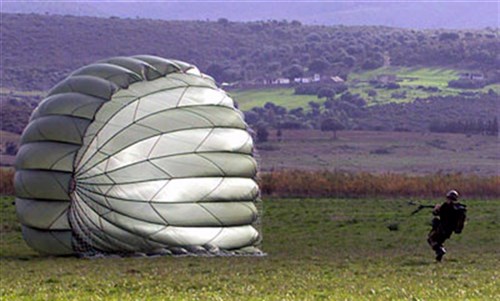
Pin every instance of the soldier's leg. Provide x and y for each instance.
(436, 239)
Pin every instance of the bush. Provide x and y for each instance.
(467, 84)
(262, 134)
(298, 183)
(7, 181)
(326, 92)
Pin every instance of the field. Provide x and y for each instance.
(379, 152)
(408, 78)
(285, 97)
(317, 249)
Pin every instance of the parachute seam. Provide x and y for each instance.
(112, 223)
(80, 171)
(61, 242)
(137, 122)
(204, 139)
(216, 235)
(158, 202)
(213, 215)
(213, 189)
(247, 155)
(181, 96)
(156, 166)
(167, 223)
(73, 152)
(157, 192)
(111, 209)
(102, 239)
(212, 162)
(99, 226)
(59, 216)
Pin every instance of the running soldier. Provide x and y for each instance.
(449, 218)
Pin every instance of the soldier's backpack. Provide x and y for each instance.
(461, 215)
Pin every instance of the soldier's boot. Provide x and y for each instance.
(440, 251)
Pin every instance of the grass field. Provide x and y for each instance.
(409, 80)
(317, 249)
(378, 152)
(247, 99)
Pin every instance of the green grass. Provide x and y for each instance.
(318, 249)
(411, 78)
(247, 99)
(418, 76)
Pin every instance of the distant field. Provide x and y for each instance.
(399, 152)
(420, 76)
(317, 249)
(410, 79)
(247, 99)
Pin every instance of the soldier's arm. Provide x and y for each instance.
(436, 209)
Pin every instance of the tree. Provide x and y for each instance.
(332, 125)
(293, 71)
(262, 133)
(11, 148)
(279, 133)
(217, 71)
(318, 66)
(326, 92)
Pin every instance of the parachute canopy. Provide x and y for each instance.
(137, 154)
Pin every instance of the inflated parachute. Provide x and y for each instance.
(137, 154)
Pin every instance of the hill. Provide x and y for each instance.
(403, 14)
(40, 50)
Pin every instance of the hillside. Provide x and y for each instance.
(413, 14)
(40, 50)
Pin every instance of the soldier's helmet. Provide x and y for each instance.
(453, 195)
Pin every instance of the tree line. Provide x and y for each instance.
(231, 51)
(449, 114)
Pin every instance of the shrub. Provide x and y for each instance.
(299, 183)
(7, 181)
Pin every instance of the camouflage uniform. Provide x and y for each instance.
(442, 227)
(451, 219)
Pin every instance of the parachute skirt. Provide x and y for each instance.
(138, 155)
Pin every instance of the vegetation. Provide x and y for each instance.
(380, 152)
(6, 181)
(420, 115)
(284, 97)
(303, 183)
(334, 249)
(299, 183)
(232, 51)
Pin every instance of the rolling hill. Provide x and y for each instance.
(413, 14)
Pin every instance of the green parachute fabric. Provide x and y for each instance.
(137, 154)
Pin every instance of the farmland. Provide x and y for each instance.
(411, 81)
(285, 97)
(378, 152)
(317, 249)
